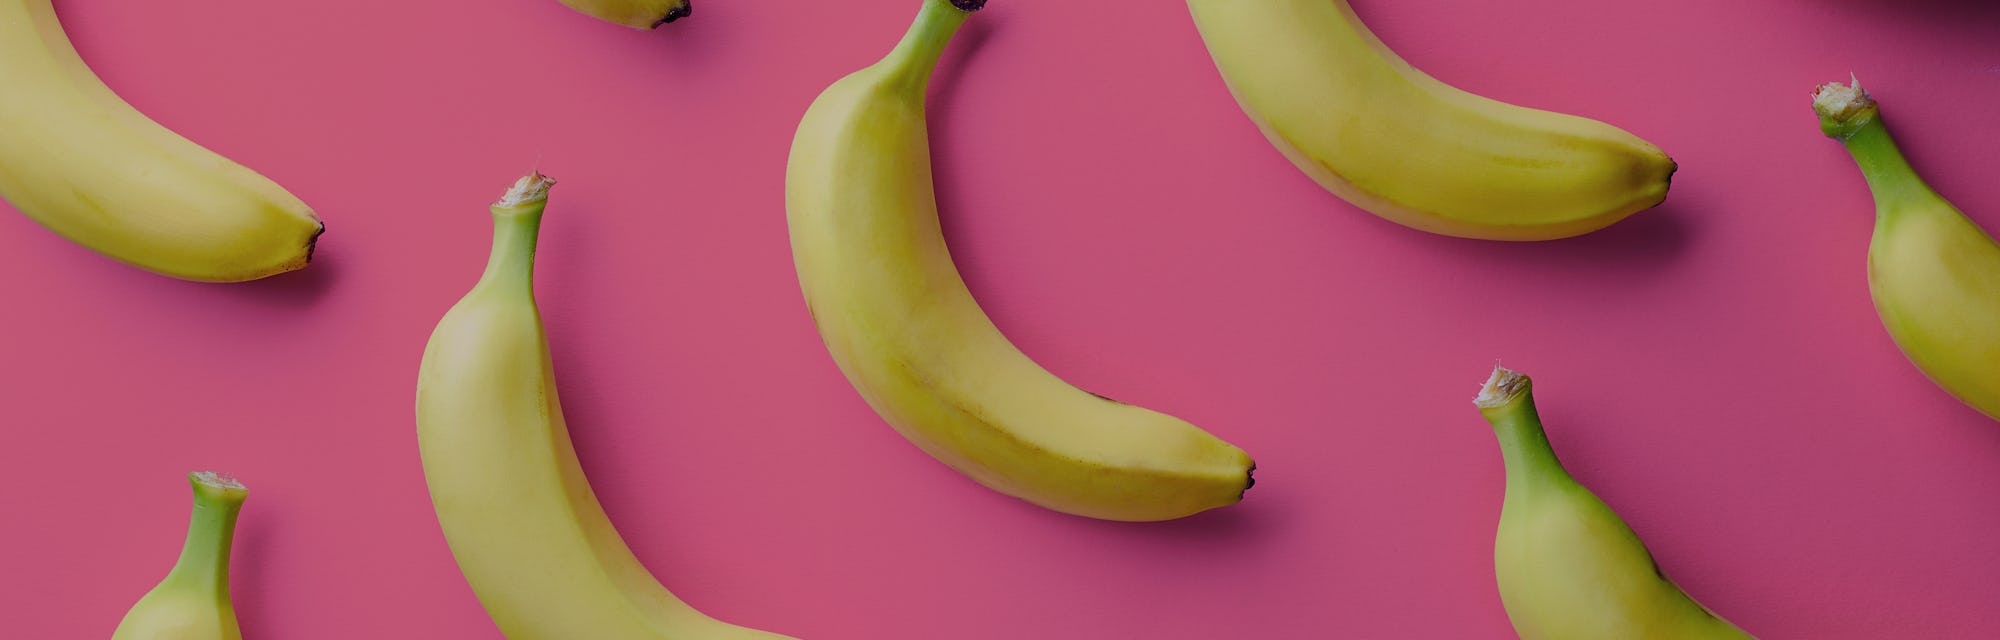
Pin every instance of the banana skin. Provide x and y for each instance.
(511, 496)
(1394, 141)
(81, 162)
(192, 603)
(898, 320)
(1568, 567)
(1934, 273)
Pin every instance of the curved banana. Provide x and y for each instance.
(1934, 274)
(192, 603)
(899, 321)
(1568, 567)
(83, 163)
(638, 14)
(519, 514)
(1390, 139)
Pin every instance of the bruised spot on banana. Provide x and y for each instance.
(1568, 567)
(902, 327)
(83, 163)
(1396, 142)
(1934, 273)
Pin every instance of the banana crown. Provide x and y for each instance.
(1502, 388)
(1843, 108)
(533, 187)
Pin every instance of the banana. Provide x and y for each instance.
(1396, 142)
(1934, 274)
(899, 322)
(516, 509)
(1568, 567)
(77, 159)
(638, 14)
(192, 603)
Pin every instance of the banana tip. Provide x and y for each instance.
(312, 243)
(969, 5)
(684, 10)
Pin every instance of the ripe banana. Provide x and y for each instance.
(900, 323)
(192, 603)
(1396, 142)
(80, 161)
(1568, 567)
(519, 514)
(1934, 274)
(638, 14)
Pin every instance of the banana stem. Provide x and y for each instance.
(1507, 401)
(1848, 114)
(204, 561)
(916, 56)
(517, 224)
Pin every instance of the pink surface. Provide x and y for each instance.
(1713, 368)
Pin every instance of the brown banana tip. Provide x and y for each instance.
(313, 242)
(1673, 167)
(1249, 480)
(686, 9)
(968, 5)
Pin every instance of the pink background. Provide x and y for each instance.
(1713, 368)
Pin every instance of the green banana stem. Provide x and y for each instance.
(916, 56)
(1508, 403)
(517, 223)
(1848, 114)
(204, 561)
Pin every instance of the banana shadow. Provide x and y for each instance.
(293, 291)
(249, 575)
(1648, 240)
(568, 267)
(1980, 425)
(1236, 526)
(1240, 525)
(692, 44)
(941, 105)
(1966, 14)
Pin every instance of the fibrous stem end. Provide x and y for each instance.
(533, 187)
(217, 479)
(1500, 388)
(1843, 108)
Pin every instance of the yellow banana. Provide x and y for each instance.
(1934, 274)
(83, 163)
(900, 323)
(1568, 567)
(517, 511)
(638, 14)
(1394, 141)
(192, 603)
